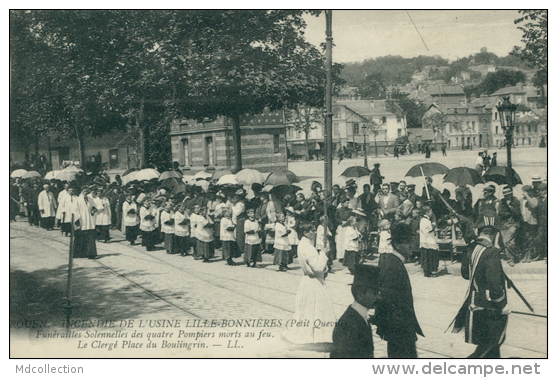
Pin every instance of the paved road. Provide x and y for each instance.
(129, 283)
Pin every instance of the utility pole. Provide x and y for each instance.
(329, 116)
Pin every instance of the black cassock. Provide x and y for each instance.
(352, 336)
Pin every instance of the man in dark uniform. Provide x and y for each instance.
(394, 314)
(352, 336)
(484, 313)
(485, 209)
(375, 178)
(510, 216)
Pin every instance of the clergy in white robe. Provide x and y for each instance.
(84, 220)
(47, 207)
(314, 308)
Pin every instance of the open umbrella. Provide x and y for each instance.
(221, 172)
(51, 175)
(281, 178)
(229, 179)
(463, 176)
(18, 173)
(31, 174)
(502, 175)
(170, 182)
(202, 175)
(65, 176)
(202, 183)
(128, 171)
(129, 177)
(250, 176)
(356, 172)
(170, 174)
(72, 168)
(427, 169)
(178, 189)
(147, 174)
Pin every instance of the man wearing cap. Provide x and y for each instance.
(352, 336)
(394, 315)
(47, 207)
(388, 202)
(510, 216)
(484, 313)
(351, 188)
(485, 208)
(375, 178)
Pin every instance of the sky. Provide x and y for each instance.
(451, 34)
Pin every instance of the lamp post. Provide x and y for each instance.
(364, 127)
(507, 112)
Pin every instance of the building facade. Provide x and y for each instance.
(376, 123)
(208, 145)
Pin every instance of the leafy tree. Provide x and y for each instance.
(484, 57)
(437, 122)
(495, 81)
(413, 111)
(534, 36)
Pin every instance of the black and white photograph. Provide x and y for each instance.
(300, 184)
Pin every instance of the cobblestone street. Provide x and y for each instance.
(127, 283)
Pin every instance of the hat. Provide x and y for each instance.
(401, 233)
(536, 178)
(393, 183)
(489, 188)
(366, 275)
(350, 182)
(527, 188)
(542, 186)
(376, 164)
(359, 211)
(290, 209)
(411, 187)
(250, 210)
(256, 186)
(507, 190)
(240, 192)
(487, 230)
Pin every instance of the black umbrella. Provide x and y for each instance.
(427, 169)
(502, 175)
(170, 182)
(178, 189)
(356, 172)
(463, 176)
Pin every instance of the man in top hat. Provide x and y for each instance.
(375, 178)
(485, 209)
(510, 217)
(47, 207)
(536, 181)
(352, 336)
(394, 315)
(484, 313)
(351, 188)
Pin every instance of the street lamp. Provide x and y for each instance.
(364, 128)
(507, 112)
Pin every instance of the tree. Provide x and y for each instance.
(304, 119)
(534, 37)
(413, 111)
(437, 122)
(495, 81)
(246, 61)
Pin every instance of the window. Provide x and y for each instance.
(356, 128)
(383, 120)
(473, 125)
(185, 153)
(496, 129)
(290, 133)
(398, 119)
(336, 129)
(529, 128)
(399, 131)
(495, 115)
(535, 128)
(276, 143)
(336, 112)
(209, 156)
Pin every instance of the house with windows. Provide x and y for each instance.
(208, 144)
(447, 94)
(377, 123)
(467, 127)
(530, 124)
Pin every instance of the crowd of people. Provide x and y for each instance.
(197, 222)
